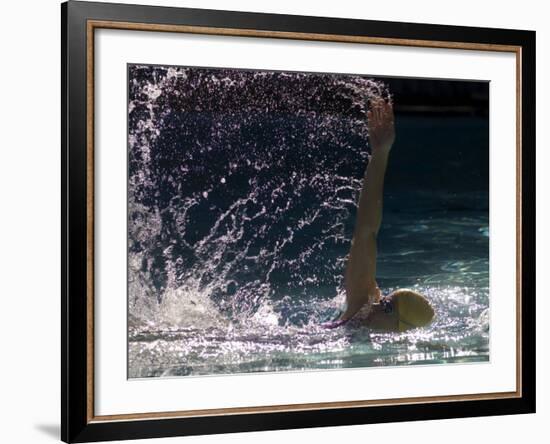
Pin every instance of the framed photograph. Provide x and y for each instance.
(275, 221)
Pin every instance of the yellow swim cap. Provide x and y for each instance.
(414, 310)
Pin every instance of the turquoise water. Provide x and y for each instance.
(241, 211)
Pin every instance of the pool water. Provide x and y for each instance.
(240, 221)
(444, 256)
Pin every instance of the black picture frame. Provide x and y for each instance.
(78, 423)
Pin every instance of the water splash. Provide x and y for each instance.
(241, 187)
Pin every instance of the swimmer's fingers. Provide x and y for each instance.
(391, 115)
(375, 116)
(372, 122)
(378, 111)
(381, 112)
(386, 110)
(387, 118)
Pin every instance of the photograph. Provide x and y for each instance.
(284, 221)
(288, 221)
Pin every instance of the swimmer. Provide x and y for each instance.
(403, 309)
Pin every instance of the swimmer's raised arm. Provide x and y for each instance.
(360, 278)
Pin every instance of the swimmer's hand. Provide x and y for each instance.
(381, 127)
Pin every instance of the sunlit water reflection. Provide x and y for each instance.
(208, 343)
